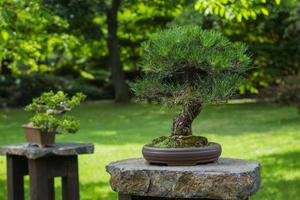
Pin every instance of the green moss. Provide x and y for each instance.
(179, 141)
(167, 143)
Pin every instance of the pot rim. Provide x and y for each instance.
(213, 146)
(29, 126)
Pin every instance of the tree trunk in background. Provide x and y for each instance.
(121, 88)
(182, 124)
(4, 69)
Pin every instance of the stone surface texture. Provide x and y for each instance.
(34, 152)
(230, 179)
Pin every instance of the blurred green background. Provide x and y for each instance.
(93, 46)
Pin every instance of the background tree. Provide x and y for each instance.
(123, 24)
(32, 38)
(190, 67)
(62, 44)
(134, 26)
(121, 88)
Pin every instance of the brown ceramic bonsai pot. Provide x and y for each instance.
(34, 136)
(182, 156)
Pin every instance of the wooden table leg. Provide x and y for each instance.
(51, 188)
(16, 170)
(41, 185)
(70, 182)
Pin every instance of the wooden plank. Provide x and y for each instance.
(16, 170)
(41, 185)
(51, 188)
(70, 182)
(42, 172)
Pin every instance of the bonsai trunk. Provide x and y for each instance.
(182, 124)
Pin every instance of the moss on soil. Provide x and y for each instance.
(179, 141)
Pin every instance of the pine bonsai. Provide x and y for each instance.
(190, 67)
(50, 109)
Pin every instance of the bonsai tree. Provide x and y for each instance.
(50, 112)
(189, 67)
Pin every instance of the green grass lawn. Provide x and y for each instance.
(267, 133)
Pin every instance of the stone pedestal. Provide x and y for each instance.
(35, 152)
(43, 165)
(230, 179)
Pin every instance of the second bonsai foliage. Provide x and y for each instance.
(50, 117)
(190, 67)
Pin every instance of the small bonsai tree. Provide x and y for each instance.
(50, 109)
(190, 67)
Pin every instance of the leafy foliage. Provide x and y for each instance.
(18, 91)
(32, 38)
(272, 38)
(188, 64)
(234, 9)
(49, 111)
(70, 37)
(286, 93)
(67, 38)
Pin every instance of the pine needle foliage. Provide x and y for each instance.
(188, 64)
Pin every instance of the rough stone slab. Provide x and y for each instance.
(230, 179)
(60, 149)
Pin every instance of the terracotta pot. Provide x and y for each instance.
(182, 156)
(34, 136)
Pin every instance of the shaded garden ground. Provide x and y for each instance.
(267, 133)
